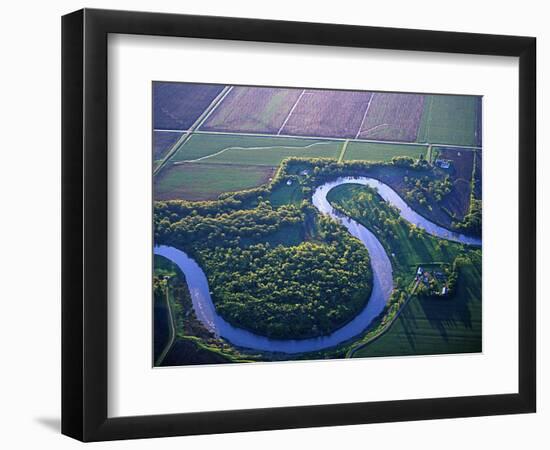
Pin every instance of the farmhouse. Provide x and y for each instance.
(288, 182)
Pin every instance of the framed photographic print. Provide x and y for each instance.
(276, 224)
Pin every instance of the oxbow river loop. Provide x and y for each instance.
(381, 269)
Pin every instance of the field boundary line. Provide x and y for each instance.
(328, 138)
(248, 148)
(170, 131)
(457, 147)
(376, 126)
(428, 119)
(364, 115)
(343, 151)
(197, 124)
(214, 107)
(282, 136)
(291, 111)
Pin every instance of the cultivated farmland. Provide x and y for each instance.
(162, 141)
(252, 110)
(210, 164)
(176, 106)
(451, 119)
(194, 181)
(373, 151)
(260, 150)
(392, 117)
(327, 114)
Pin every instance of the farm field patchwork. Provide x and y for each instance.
(243, 149)
(252, 109)
(177, 106)
(374, 151)
(299, 223)
(451, 119)
(327, 114)
(392, 117)
(201, 168)
(162, 142)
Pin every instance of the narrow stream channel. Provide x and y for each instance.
(381, 268)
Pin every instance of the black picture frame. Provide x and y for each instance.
(84, 224)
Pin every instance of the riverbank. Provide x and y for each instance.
(382, 277)
(448, 324)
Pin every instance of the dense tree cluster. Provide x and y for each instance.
(290, 292)
(472, 221)
(411, 163)
(423, 189)
(264, 279)
(380, 217)
(225, 229)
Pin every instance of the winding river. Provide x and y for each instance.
(381, 269)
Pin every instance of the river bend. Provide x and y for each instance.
(381, 270)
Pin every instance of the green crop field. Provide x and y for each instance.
(221, 163)
(449, 119)
(372, 151)
(272, 156)
(257, 150)
(436, 326)
(195, 181)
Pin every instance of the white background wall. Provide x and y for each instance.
(30, 230)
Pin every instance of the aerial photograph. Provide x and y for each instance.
(308, 224)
